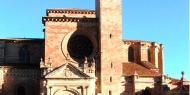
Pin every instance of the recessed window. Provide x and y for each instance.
(131, 54)
(110, 93)
(110, 79)
(24, 55)
(111, 65)
(110, 36)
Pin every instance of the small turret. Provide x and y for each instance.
(42, 64)
(43, 67)
(89, 67)
(49, 65)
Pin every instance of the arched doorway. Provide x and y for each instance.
(20, 91)
(66, 92)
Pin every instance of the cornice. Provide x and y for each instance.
(68, 19)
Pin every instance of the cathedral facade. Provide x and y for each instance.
(83, 53)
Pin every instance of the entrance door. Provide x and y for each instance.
(21, 91)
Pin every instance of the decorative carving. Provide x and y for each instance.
(71, 11)
(49, 62)
(42, 64)
(67, 72)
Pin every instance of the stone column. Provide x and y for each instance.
(156, 50)
(86, 90)
(161, 59)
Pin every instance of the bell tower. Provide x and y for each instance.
(109, 14)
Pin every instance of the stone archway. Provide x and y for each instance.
(67, 92)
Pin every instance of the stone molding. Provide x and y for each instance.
(69, 19)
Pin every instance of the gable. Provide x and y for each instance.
(66, 71)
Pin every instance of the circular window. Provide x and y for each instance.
(79, 47)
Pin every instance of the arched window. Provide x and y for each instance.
(131, 54)
(24, 55)
(149, 55)
(20, 91)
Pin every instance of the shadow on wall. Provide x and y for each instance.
(20, 81)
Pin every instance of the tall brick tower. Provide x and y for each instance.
(109, 14)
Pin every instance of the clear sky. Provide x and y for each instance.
(163, 21)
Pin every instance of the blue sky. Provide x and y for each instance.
(163, 21)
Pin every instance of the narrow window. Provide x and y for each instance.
(110, 93)
(110, 79)
(110, 36)
(131, 54)
(111, 65)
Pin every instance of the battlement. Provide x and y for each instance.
(72, 12)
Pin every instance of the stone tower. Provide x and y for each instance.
(109, 14)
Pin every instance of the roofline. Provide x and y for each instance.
(127, 40)
(22, 39)
(144, 75)
(70, 11)
(71, 78)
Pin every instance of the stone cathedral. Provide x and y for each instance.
(83, 53)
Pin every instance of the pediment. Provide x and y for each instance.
(66, 71)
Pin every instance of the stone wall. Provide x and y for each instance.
(58, 34)
(14, 78)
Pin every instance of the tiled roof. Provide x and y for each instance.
(184, 89)
(182, 85)
(173, 81)
(148, 65)
(130, 68)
